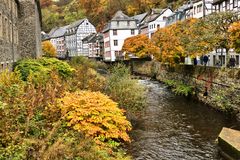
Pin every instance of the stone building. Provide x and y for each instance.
(20, 31)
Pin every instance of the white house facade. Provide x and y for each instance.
(57, 38)
(115, 32)
(226, 5)
(76, 32)
(158, 22)
(200, 9)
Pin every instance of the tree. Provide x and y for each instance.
(169, 43)
(48, 49)
(140, 46)
(219, 25)
(234, 31)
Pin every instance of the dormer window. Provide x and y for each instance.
(114, 32)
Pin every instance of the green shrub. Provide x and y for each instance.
(170, 83)
(63, 68)
(75, 61)
(124, 90)
(40, 68)
(182, 89)
(179, 88)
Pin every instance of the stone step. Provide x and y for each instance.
(229, 143)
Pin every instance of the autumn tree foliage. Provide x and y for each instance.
(63, 12)
(48, 49)
(96, 115)
(169, 43)
(194, 37)
(220, 23)
(177, 41)
(140, 46)
(234, 31)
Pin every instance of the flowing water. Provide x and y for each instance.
(174, 128)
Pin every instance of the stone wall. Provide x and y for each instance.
(20, 31)
(29, 29)
(221, 84)
(8, 33)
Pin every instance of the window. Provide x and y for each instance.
(158, 26)
(237, 59)
(128, 23)
(220, 7)
(227, 5)
(199, 8)
(115, 32)
(132, 31)
(115, 42)
(10, 32)
(116, 53)
(2, 66)
(235, 3)
(6, 29)
(1, 27)
(107, 44)
(117, 23)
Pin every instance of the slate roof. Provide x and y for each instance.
(93, 38)
(153, 14)
(140, 17)
(72, 28)
(76, 23)
(120, 16)
(217, 1)
(59, 32)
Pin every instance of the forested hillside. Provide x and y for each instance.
(62, 12)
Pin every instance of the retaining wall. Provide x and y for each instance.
(221, 84)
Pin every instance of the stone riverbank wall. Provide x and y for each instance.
(222, 84)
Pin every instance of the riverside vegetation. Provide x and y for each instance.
(52, 109)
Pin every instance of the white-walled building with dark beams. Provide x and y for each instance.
(115, 32)
(57, 38)
(94, 44)
(75, 33)
(226, 5)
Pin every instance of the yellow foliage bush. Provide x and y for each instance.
(48, 49)
(87, 78)
(96, 115)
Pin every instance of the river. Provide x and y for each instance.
(175, 128)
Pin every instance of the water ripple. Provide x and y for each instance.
(174, 128)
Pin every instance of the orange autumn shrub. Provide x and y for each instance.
(48, 49)
(96, 115)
